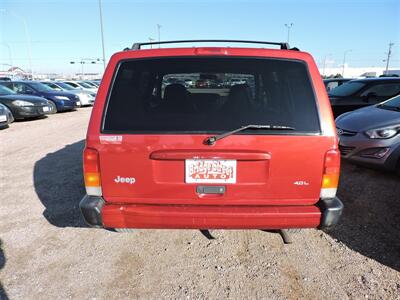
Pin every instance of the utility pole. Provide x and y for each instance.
(151, 40)
(288, 26)
(325, 58)
(82, 63)
(388, 55)
(159, 35)
(27, 35)
(102, 35)
(344, 60)
(85, 61)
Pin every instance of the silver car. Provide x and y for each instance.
(81, 85)
(85, 97)
(371, 135)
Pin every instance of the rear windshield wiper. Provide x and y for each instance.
(212, 139)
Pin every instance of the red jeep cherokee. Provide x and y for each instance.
(255, 148)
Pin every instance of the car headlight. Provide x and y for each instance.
(384, 132)
(61, 97)
(22, 103)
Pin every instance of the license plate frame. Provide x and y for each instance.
(210, 171)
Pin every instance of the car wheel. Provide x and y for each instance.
(53, 107)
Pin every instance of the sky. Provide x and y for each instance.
(47, 35)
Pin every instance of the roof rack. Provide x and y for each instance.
(137, 46)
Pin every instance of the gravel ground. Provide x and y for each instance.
(46, 250)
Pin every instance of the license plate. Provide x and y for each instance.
(210, 171)
(46, 108)
(3, 118)
(78, 103)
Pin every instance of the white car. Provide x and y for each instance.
(81, 85)
(85, 97)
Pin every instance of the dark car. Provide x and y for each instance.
(6, 116)
(59, 100)
(332, 83)
(362, 92)
(23, 106)
(371, 135)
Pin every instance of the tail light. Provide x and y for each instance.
(91, 172)
(330, 178)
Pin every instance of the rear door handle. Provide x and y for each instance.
(204, 189)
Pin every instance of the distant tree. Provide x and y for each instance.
(338, 76)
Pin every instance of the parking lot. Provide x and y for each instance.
(47, 251)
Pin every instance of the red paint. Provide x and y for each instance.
(209, 154)
(264, 196)
(209, 217)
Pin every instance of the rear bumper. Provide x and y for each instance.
(99, 214)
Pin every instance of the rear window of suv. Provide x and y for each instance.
(154, 96)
